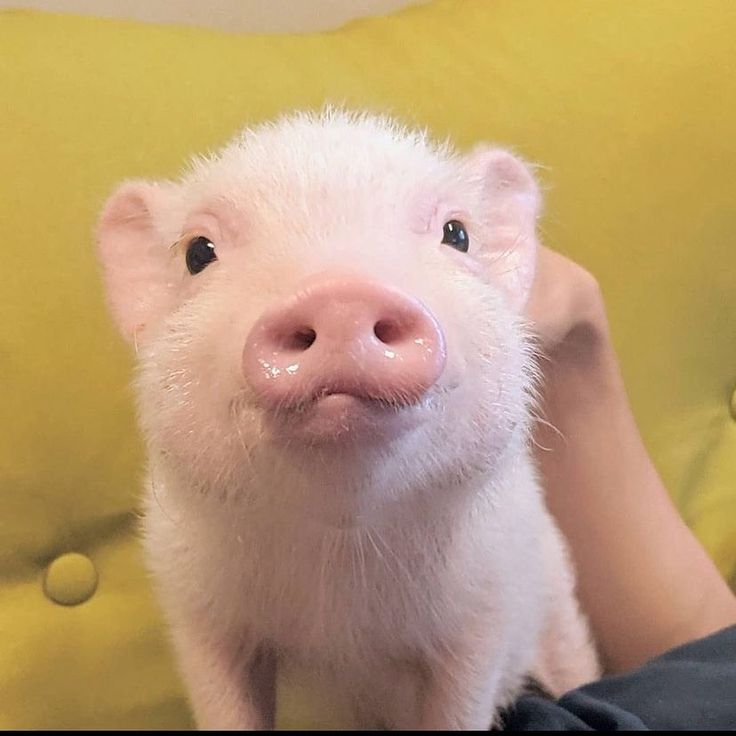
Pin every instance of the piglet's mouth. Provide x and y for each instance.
(339, 415)
(344, 391)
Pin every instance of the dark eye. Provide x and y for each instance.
(200, 253)
(455, 234)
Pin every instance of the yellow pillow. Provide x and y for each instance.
(630, 107)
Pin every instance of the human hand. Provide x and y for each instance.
(565, 310)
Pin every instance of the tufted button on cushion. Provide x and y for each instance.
(70, 579)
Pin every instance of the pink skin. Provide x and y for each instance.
(345, 349)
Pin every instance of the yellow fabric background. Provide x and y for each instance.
(630, 107)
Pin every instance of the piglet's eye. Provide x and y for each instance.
(200, 253)
(454, 234)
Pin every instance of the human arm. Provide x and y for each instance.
(644, 580)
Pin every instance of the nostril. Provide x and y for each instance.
(388, 331)
(300, 340)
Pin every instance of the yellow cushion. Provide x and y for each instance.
(630, 107)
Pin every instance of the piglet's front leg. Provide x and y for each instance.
(231, 685)
(460, 692)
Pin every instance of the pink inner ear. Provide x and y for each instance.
(133, 257)
(509, 173)
(126, 208)
(511, 199)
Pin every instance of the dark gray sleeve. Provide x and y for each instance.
(691, 687)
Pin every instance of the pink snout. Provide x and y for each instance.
(344, 335)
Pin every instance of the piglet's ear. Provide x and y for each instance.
(135, 260)
(510, 205)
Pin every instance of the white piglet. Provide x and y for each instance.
(335, 385)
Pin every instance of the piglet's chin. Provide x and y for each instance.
(341, 418)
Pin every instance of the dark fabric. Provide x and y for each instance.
(691, 687)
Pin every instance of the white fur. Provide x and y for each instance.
(420, 580)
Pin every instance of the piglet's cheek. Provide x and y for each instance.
(464, 260)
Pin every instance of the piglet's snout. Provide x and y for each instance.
(344, 335)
